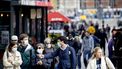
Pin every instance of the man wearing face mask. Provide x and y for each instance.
(27, 52)
(67, 56)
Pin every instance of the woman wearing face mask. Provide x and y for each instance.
(12, 58)
(40, 63)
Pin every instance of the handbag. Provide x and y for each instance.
(106, 63)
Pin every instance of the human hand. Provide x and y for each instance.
(40, 55)
(10, 61)
(39, 62)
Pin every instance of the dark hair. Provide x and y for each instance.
(22, 36)
(113, 30)
(10, 46)
(63, 38)
(40, 44)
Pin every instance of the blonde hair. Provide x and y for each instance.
(47, 40)
(95, 50)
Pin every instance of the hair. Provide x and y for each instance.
(22, 36)
(40, 44)
(113, 30)
(95, 50)
(77, 38)
(47, 40)
(10, 46)
(63, 38)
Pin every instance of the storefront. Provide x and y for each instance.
(57, 21)
(4, 22)
(31, 18)
(23, 16)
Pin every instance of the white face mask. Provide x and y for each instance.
(59, 45)
(14, 49)
(40, 51)
(48, 45)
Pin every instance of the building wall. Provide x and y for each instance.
(90, 3)
(70, 7)
(67, 7)
(118, 4)
(54, 3)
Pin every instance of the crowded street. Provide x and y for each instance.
(60, 34)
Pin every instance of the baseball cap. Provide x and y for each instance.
(14, 37)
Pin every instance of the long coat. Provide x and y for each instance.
(16, 60)
(105, 62)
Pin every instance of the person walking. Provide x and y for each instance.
(67, 55)
(12, 58)
(27, 52)
(103, 39)
(117, 45)
(99, 61)
(88, 45)
(77, 45)
(48, 49)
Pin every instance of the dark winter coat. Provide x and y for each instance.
(67, 58)
(28, 56)
(118, 44)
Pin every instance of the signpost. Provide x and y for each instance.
(4, 37)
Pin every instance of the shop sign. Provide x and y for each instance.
(27, 2)
(39, 13)
(56, 19)
(4, 37)
(33, 13)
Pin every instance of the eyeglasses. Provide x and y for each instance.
(40, 48)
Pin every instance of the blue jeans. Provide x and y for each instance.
(87, 55)
(79, 61)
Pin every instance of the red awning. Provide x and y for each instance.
(44, 4)
(57, 17)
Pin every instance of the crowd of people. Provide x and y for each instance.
(66, 51)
